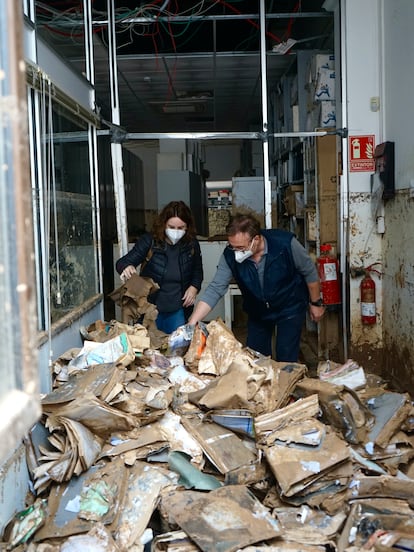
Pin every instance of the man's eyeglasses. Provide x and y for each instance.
(241, 247)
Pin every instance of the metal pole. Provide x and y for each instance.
(344, 187)
(116, 148)
(267, 184)
(217, 135)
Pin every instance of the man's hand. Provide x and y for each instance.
(316, 313)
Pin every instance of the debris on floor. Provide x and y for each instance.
(217, 449)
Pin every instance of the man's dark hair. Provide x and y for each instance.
(247, 224)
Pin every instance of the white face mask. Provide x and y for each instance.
(241, 256)
(174, 234)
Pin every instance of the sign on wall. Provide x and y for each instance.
(361, 153)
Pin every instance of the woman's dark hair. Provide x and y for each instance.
(174, 209)
(246, 224)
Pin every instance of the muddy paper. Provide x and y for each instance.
(132, 296)
(220, 350)
(223, 447)
(286, 377)
(179, 438)
(296, 466)
(95, 540)
(96, 415)
(98, 379)
(118, 350)
(231, 516)
(309, 526)
(308, 432)
(341, 407)
(390, 411)
(299, 411)
(285, 546)
(196, 348)
(174, 541)
(383, 486)
(144, 487)
(150, 437)
(64, 502)
(244, 386)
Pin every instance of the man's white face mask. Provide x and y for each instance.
(241, 256)
(174, 234)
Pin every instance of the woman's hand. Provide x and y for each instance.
(128, 272)
(189, 296)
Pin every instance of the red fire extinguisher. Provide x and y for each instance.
(328, 270)
(368, 306)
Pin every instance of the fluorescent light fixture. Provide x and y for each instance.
(180, 106)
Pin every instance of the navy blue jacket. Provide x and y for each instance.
(285, 292)
(154, 253)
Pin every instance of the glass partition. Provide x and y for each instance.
(66, 244)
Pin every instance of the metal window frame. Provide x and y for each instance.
(20, 403)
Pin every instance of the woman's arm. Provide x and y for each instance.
(136, 255)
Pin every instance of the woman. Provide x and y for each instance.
(171, 256)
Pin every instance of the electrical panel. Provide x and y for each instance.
(385, 167)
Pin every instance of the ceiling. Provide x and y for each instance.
(187, 66)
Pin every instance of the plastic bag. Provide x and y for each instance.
(180, 339)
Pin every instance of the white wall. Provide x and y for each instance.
(382, 64)
(361, 63)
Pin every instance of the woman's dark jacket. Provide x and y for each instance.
(285, 292)
(154, 253)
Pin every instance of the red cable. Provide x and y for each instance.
(290, 23)
(271, 35)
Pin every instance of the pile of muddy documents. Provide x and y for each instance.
(215, 449)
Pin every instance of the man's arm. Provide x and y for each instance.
(307, 268)
(213, 293)
(200, 312)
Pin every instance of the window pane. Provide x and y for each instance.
(73, 273)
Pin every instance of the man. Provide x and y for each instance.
(278, 281)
